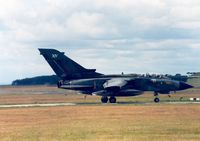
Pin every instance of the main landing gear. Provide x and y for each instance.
(156, 99)
(104, 99)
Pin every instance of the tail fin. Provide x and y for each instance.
(66, 68)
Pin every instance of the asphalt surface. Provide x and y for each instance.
(72, 104)
(36, 105)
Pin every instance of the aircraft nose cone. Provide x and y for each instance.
(183, 86)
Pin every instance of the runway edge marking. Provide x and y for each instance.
(37, 105)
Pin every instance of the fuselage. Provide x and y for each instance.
(162, 86)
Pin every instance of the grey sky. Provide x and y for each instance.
(112, 36)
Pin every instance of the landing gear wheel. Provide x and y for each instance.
(59, 84)
(112, 100)
(104, 99)
(156, 100)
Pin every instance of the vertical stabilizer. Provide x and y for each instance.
(64, 67)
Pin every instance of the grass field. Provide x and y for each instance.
(96, 122)
(100, 123)
(50, 94)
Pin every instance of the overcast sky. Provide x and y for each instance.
(113, 36)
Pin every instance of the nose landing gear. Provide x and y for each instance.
(156, 99)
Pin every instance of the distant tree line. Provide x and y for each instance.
(39, 80)
(194, 73)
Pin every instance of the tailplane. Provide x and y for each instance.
(64, 67)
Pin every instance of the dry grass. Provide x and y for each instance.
(154, 122)
(38, 94)
(46, 94)
(108, 122)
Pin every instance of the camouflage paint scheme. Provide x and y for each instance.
(75, 77)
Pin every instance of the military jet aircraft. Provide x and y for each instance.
(75, 77)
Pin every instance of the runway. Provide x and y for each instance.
(73, 104)
(36, 105)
